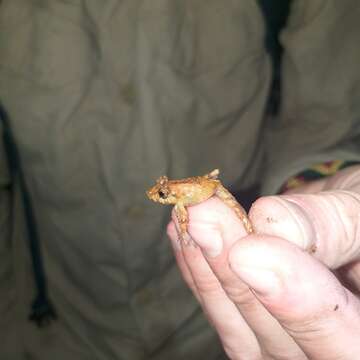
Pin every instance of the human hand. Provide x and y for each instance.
(291, 291)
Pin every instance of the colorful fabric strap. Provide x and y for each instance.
(316, 172)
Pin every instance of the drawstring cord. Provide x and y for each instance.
(42, 311)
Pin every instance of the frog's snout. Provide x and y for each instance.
(151, 194)
(148, 194)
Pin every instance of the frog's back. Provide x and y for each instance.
(194, 190)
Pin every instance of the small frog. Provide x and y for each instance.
(192, 191)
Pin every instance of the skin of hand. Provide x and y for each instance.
(289, 291)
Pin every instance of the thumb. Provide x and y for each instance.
(302, 294)
(326, 223)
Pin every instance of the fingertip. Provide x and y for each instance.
(210, 222)
(215, 225)
(260, 252)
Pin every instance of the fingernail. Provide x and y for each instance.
(262, 281)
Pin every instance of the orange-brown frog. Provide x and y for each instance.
(192, 191)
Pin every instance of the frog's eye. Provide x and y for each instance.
(162, 194)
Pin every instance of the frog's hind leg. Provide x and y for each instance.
(230, 201)
(213, 174)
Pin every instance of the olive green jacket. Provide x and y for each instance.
(101, 98)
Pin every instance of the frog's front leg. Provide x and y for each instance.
(230, 201)
(182, 218)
